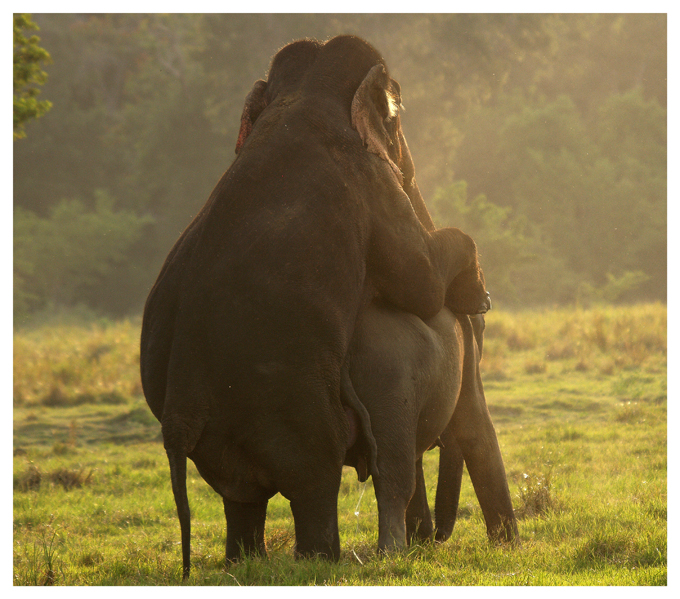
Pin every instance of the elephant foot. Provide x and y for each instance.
(423, 534)
(441, 536)
(505, 533)
(391, 529)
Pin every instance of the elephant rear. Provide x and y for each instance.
(420, 383)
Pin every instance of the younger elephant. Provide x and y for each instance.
(420, 383)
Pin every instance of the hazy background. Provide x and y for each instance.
(542, 136)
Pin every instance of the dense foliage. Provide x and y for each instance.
(543, 136)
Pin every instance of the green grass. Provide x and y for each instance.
(578, 398)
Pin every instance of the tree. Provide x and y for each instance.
(593, 184)
(519, 266)
(27, 75)
(576, 143)
(552, 125)
(63, 260)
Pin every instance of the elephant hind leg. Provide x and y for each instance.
(394, 490)
(316, 526)
(418, 517)
(245, 528)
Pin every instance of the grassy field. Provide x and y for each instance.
(578, 398)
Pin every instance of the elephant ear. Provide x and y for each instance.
(255, 103)
(373, 105)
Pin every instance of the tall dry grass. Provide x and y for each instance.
(69, 365)
(606, 339)
(61, 365)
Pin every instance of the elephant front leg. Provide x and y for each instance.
(245, 528)
(414, 269)
(485, 466)
(478, 443)
(476, 437)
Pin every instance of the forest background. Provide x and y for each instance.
(542, 136)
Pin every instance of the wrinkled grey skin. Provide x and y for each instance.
(420, 383)
(247, 328)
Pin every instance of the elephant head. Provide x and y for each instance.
(287, 70)
(355, 73)
(467, 293)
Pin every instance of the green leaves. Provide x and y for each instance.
(27, 75)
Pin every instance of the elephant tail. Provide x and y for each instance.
(184, 418)
(350, 397)
(178, 476)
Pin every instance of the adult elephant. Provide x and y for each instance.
(248, 325)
